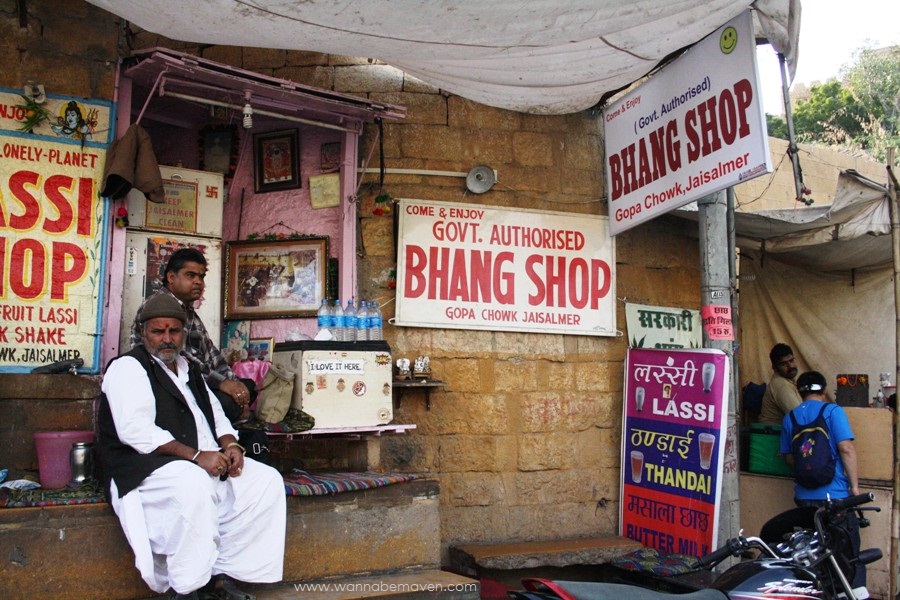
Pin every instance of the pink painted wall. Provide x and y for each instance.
(288, 211)
(245, 212)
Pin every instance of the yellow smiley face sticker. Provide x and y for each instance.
(728, 40)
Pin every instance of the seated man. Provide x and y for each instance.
(194, 510)
(185, 279)
(781, 395)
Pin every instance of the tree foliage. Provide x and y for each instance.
(860, 112)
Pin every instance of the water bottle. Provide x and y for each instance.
(362, 322)
(350, 322)
(337, 320)
(375, 332)
(324, 316)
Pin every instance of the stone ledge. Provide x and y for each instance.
(469, 558)
(74, 552)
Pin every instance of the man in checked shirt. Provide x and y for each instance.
(184, 278)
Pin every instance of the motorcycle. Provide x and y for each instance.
(802, 553)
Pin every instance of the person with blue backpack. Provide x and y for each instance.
(817, 441)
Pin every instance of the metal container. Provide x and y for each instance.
(81, 460)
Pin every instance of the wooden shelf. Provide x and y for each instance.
(426, 385)
(345, 432)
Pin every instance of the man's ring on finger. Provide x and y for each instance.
(219, 468)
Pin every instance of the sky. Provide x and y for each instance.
(830, 32)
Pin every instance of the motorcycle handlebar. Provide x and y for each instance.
(852, 501)
(731, 547)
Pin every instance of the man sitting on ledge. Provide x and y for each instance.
(194, 510)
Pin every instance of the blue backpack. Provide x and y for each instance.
(814, 462)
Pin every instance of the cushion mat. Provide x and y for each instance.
(296, 483)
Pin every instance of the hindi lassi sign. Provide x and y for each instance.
(673, 445)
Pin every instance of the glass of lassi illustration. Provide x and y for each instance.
(639, 398)
(637, 465)
(707, 442)
(708, 374)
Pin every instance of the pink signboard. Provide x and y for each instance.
(673, 447)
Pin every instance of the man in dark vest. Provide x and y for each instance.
(185, 280)
(197, 514)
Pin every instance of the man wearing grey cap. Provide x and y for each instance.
(196, 512)
(185, 279)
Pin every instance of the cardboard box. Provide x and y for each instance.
(873, 429)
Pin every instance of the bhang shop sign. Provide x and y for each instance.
(465, 266)
(691, 130)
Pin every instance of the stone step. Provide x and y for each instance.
(474, 558)
(426, 583)
(77, 552)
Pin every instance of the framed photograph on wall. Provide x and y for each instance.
(330, 157)
(219, 149)
(235, 339)
(273, 279)
(276, 160)
(261, 349)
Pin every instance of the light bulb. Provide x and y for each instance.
(248, 116)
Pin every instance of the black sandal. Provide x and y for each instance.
(222, 587)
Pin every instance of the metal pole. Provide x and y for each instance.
(799, 187)
(895, 239)
(735, 317)
(716, 291)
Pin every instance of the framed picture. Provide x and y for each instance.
(219, 149)
(330, 156)
(235, 339)
(261, 349)
(276, 160)
(273, 279)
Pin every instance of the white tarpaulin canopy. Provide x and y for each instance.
(821, 280)
(537, 56)
(852, 233)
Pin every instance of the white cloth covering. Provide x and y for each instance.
(542, 56)
(183, 524)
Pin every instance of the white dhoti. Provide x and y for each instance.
(186, 526)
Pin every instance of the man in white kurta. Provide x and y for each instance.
(203, 514)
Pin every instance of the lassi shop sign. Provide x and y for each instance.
(51, 233)
(464, 266)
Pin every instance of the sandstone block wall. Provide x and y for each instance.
(525, 438)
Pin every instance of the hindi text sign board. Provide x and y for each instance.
(694, 128)
(51, 234)
(662, 327)
(467, 266)
(673, 443)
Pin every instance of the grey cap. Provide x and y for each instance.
(163, 305)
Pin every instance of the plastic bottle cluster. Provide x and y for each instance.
(349, 323)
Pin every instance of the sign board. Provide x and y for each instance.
(467, 266)
(179, 211)
(662, 327)
(673, 448)
(51, 233)
(694, 128)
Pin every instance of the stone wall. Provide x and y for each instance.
(525, 438)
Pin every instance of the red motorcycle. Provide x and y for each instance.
(801, 554)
